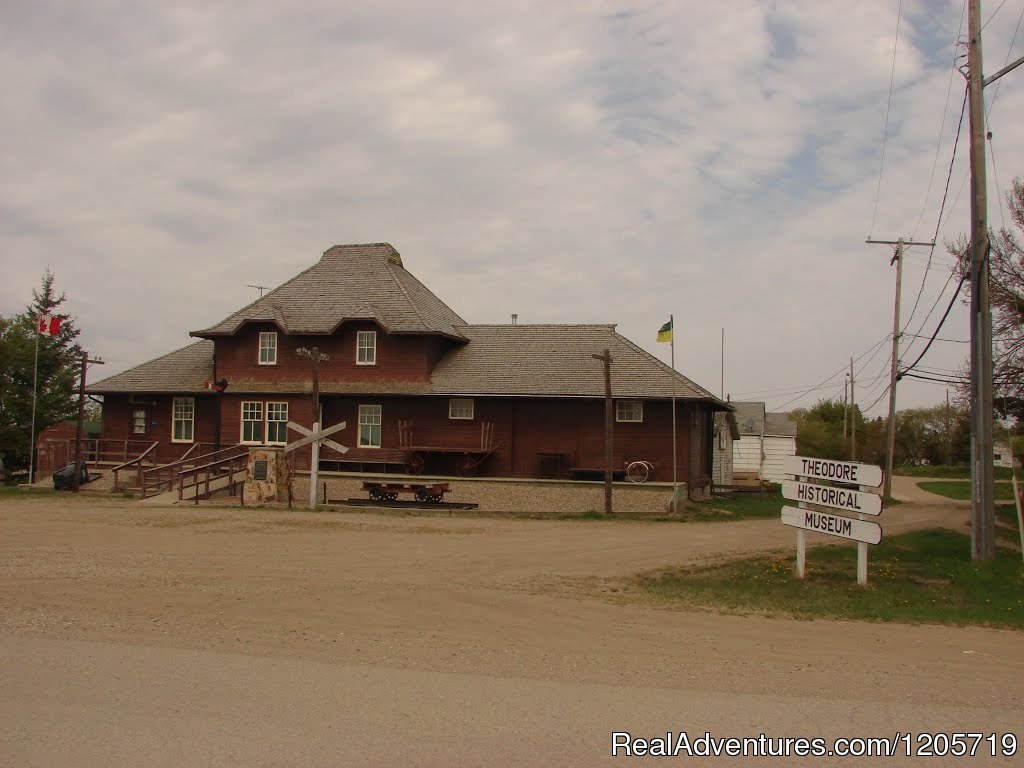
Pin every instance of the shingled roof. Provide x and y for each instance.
(183, 370)
(750, 417)
(350, 282)
(499, 360)
(556, 360)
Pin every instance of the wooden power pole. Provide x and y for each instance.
(982, 487)
(853, 418)
(894, 369)
(316, 356)
(606, 358)
(76, 480)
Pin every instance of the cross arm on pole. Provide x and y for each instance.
(1008, 68)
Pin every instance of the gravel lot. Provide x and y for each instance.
(217, 636)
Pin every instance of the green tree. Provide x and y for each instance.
(57, 373)
(820, 430)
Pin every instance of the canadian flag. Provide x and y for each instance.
(49, 325)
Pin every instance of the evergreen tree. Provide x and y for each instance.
(58, 370)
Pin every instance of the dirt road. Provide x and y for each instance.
(132, 635)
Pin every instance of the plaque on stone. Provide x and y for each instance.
(259, 470)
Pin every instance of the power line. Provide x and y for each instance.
(942, 208)
(932, 339)
(942, 126)
(888, 105)
(995, 92)
(997, 10)
(825, 381)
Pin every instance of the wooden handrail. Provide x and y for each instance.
(137, 462)
(155, 478)
(207, 469)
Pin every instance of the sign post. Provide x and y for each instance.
(315, 437)
(847, 492)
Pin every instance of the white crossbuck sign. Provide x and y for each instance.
(315, 437)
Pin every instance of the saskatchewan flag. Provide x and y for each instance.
(665, 332)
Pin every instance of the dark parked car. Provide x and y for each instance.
(62, 477)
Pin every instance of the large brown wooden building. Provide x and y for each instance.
(420, 388)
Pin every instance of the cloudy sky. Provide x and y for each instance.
(570, 162)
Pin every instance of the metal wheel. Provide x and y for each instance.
(391, 496)
(437, 498)
(376, 494)
(638, 471)
(422, 495)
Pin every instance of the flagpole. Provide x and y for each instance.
(672, 323)
(35, 389)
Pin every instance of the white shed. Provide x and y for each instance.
(765, 438)
(727, 434)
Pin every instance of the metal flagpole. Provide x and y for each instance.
(672, 339)
(35, 389)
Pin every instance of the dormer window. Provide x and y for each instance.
(366, 348)
(268, 348)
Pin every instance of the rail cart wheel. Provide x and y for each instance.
(392, 496)
(422, 495)
(638, 471)
(436, 499)
(376, 494)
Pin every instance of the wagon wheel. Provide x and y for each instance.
(638, 471)
(416, 463)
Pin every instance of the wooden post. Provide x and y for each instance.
(862, 547)
(606, 358)
(801, 540)
(76, 480)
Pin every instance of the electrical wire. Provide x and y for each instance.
(942, 127)
(928, 346)
(997, 10)
(888, 106)
(995, 91)
(942, 208)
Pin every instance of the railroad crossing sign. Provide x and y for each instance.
(311, 437)
(315, 437)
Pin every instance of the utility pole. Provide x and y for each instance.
(949, 435)
(76, 480)
(894, 370)
(853, 418)
(982, 488)
(316, 356)
(606, 358)
(846, 407)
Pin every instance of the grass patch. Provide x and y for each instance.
(742, 506)
(925, 576)
(961, 491)
(952, 473)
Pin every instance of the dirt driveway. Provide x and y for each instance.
(173, 637)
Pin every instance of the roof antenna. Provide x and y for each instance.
(515, 317)
(261, 288)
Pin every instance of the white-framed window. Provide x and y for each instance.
(268, 348)
(369, 426)
(366, 348)
(629, 410)
(252, 422)
(183, 418)
(139, 421)
(277, 423)
(460, 408)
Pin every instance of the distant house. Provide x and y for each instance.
(1001, 454)
(765, 439)
(727, 432)
(779, 442)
